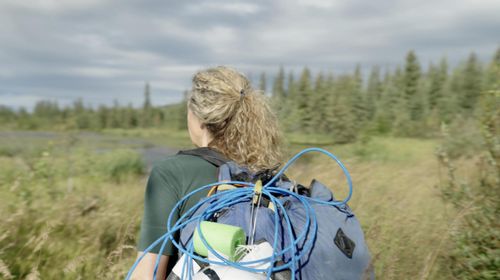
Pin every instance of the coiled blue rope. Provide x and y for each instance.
(305, 238)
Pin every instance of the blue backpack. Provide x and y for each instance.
(338, 251)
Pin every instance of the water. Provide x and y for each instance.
(99, 143)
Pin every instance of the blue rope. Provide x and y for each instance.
(299, 246)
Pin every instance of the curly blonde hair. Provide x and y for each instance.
(243, 126)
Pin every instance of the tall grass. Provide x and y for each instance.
(72, 212)
(69, 217)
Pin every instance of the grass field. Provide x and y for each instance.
(396, 200)
(71, 203)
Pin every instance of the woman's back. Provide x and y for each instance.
(170, 180)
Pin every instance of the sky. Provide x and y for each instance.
(106, 50)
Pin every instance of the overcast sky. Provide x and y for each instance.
(101, 50)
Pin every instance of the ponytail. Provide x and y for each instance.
(242, 124)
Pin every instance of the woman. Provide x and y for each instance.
(225, 115)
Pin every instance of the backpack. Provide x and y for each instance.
(338, 251)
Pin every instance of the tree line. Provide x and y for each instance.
(407, 101)
(48, 114)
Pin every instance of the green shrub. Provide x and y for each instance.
(9, 151)
(120, 164)
(462, 138)
(476, 254)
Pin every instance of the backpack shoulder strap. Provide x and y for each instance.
(208, 154)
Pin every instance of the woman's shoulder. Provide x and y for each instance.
(174, 164)
(181, 172)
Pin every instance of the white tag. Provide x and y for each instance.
(260, 251)
(178, 267)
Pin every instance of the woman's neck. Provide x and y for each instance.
(205, 140)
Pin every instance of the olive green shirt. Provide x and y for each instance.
(170, 180)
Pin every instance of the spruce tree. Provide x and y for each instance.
(147, 114)
(447, 104)
(399, 100)
(278, 94)
(435, 86)
(131, 120)
(279, 85)
(102, 117)
(373, 92)
(493, 75)
(319, 105)
(81, 116)
(450, 104)
(302, 100)
(389, 101)
(115, 117)
(357, 98)
(343, 119)
(288, 110)
(411, 86)
(437, 77)
(327, 125)
(471, 86)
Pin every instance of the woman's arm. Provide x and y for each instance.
(144, 270)
(161, 195)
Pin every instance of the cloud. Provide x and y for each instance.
(102, 50)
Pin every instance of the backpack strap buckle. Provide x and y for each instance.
(257, 192)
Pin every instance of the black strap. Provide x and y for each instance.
(208, 154)
(212, 275)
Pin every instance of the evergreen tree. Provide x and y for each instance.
(7, 115)
(450, 103)
(290, 86)
(279, 94)
(81, 116)
(373, 92)
(102, 117)
(443, 71)
(357, 98)
(447, 105)
(343, 128)
(158, 117)
(133, 118)
(471, 86)
(390, 99)
(147, 113)
(411, 87)
(435, 86)
(26, 121)
(319, 105)
(330, 87)
(46, 109)
(279, 85)
(401, 125)
(114, 116)
(302, 100)
(288, 108)
(493, 75)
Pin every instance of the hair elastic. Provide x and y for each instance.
(242, 94)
